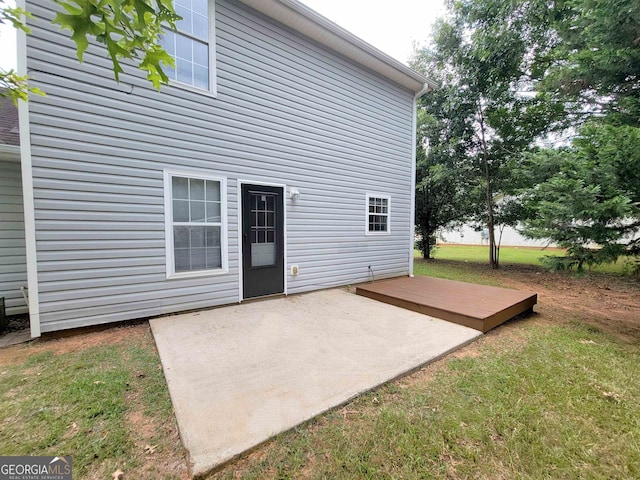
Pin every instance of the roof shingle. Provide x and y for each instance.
(9, 131)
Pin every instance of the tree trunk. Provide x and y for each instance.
(426, 237)
(498, 243)
(426, 249)
(493, 249)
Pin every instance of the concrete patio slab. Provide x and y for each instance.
(14, 338)
(239, 375)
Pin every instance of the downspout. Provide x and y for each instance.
(412, 222)
(27, 190)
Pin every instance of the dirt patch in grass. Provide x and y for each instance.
(158, 447)
(158, 451)
(74, 341)
(610, 302)
(141, 427)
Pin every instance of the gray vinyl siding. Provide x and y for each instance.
(13, 260)
(288, 111)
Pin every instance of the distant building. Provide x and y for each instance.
(468, 235)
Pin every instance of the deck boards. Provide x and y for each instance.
(477, 306)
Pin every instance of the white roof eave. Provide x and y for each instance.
(303, 19)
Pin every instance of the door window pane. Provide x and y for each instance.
(263, 226)
(263, 254)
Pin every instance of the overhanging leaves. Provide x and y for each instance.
(129, 29)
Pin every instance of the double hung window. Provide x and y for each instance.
(196, 224)
(378, 214)
(191, 46)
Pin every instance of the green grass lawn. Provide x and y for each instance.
(468, 263)
(82, 403)
(480, 254)
(516, 255)
(556, 398)
(560, 402)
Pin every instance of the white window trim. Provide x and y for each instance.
(366, 214)
(168, 223)
(212, 91)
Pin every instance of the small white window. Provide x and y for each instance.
(378, 215)
(192, 46)
(196, 224)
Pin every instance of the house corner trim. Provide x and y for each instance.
(27, 191)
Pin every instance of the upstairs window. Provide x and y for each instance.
(378, 215)
(191, 46)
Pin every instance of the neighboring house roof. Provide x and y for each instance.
(9, 132)
(310, 23)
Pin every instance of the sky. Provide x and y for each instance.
(392, 30)
(7, 45)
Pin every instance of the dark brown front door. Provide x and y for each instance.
(262, 240)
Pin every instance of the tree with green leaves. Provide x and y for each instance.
(592, 57)
(587, 197)
(442, 189)
(482, 117)
(129, 30)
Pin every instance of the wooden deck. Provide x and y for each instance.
(477, 306)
